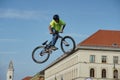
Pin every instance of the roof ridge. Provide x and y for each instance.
(88, 37)
(107, 30)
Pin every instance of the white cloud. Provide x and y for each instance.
(22, 14)
(9, 40)
(9, 52)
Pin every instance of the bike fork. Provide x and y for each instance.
(66, 44)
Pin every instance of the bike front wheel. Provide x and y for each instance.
(68, 44)
(39, 55)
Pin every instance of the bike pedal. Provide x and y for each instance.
(55, 49)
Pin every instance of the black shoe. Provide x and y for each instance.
(53, 48)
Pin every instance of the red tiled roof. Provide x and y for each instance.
(106, 38)
(27, 78)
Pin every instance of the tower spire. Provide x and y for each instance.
(10, 72)
(11, 65)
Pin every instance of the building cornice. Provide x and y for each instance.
(101, 48)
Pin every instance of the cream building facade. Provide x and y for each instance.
(96, 61)
(97, 64)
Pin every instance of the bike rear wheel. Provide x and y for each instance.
(68, 44)
(39, 55)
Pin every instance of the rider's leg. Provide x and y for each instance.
(54, 40)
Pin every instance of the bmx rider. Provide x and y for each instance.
(56, 26)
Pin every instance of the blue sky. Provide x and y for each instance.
(24, 25)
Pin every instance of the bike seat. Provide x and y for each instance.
(45, 42)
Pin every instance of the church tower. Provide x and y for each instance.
(10, 72)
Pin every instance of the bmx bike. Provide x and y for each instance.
(41, 53)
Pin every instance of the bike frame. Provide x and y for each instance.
(46, 45)
(46, 50)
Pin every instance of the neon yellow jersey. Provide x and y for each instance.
(57, 26)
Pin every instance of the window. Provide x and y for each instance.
(115, 74)
(103, 73)
(115, 59)
(10, 77)
(92, 58)
(92, 72)
(104, 58)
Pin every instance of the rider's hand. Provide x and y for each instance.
(51, 32)
(61, 32)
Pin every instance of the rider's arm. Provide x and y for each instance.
(50, 29)
(63, 27)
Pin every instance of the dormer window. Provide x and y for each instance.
(115, 45)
